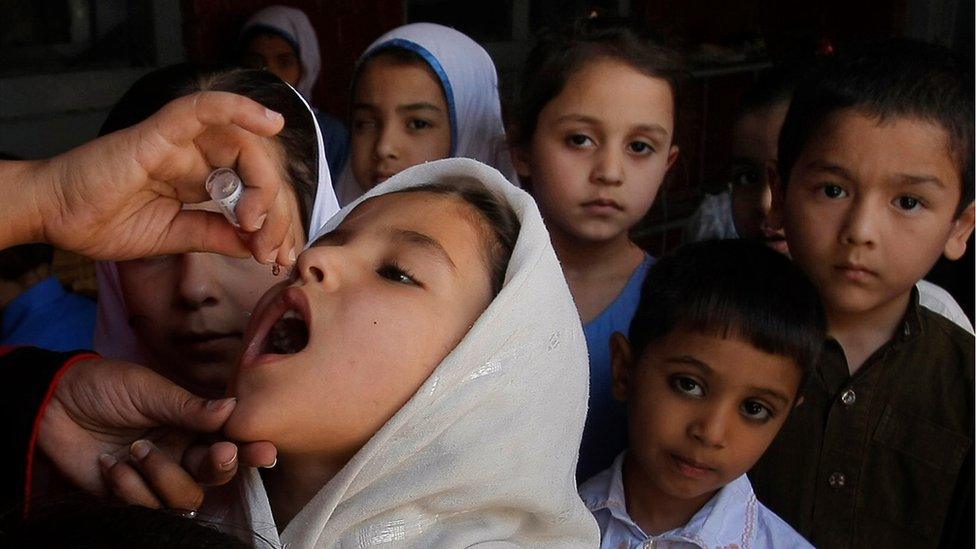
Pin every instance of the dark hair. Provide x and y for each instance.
(16, 261)
(496, 214)
(732, 288)
(773, 87)
(298, 140)
(890, 80)
(558, 54)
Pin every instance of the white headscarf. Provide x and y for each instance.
(467, 76)
(291, 24)
(485, 451)
(114, 338)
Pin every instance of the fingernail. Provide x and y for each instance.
(229, 463)
(217, 405)
(272, 256)
(273, 463)
(107, 461)
(140, 449)
(292, 255)
(260, 222)
(273, 115)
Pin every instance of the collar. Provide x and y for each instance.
(728, 519)
(36, 297)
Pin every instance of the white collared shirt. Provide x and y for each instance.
(732, 519)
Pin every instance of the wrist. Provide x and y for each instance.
(27, 187)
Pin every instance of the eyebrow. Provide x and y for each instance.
(422, 106)
(649, 128)
(912, 179)
(821, 166)
(425, 243)
(773, 394)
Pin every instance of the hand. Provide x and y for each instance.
(101, 407)
(121, 196)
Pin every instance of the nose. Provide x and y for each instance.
(860, 223)
(198, 286)
(388, 143)
(710, 427)
(321, 265)
(609, 167)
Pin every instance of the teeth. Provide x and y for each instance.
(293, 313)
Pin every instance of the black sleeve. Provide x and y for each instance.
(29, 372)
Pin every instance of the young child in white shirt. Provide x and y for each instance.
(723, 337)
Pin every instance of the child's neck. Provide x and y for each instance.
(596, 271)
(653, 510)
(294, 481)
(861, 334)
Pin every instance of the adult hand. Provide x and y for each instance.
(121, 196)
(108, 419)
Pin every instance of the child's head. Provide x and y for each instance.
(400, 116)
(723, 336)
(372, 308)
(282, 41)
(755, 135)
(876, 173)
(189, 311)
(421, 92)
(595, 133)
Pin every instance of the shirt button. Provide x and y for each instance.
(848, 397)
(836, 480)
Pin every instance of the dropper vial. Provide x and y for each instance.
(225, 188)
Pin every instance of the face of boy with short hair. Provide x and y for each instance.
(869, 208)
(701, 411)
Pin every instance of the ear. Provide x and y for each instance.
(962, 227)
(777, 191)
(621, 363)
(520, 159)
(672, 156)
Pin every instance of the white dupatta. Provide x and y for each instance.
(484, 453)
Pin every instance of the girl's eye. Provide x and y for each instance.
(579, 140)
(418, 124)
(746, 178)
(755, 411)
(687, 386)
(640, 147)
(397, 274)
(834, 191)
(363, 125)
(908, 203)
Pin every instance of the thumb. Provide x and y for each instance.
(167, 404)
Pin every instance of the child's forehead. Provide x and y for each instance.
(407, 210)
(891, 148)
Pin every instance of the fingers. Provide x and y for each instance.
(212, 465)
(126, 483)
(183, 119)
(163, 402)
(203, 231)
(151, 478)
(258, 454)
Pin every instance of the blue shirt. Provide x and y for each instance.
(47, 316)
(732, 518)
(605, 432)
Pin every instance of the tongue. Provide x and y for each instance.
(288, 336)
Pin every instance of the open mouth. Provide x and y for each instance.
(282, 328)
(289, 335)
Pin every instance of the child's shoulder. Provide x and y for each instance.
(947, 343)
(772, 531)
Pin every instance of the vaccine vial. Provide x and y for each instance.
(226, 188)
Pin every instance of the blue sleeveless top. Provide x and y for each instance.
(605, 433)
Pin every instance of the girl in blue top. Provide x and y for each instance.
(593, 143)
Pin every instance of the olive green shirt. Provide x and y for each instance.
(884, 457)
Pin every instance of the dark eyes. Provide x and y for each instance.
(745, 178)
(834, 191)
(687, 386)
(419, 124)
(579, 140)
(908, 203)
(640, 147)
(755, 410)
(394, 273)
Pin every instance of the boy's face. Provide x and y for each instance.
(701, 410)
(600, 151)
(400, 118)
(380, 302)
(754, 144)
(869, 208)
